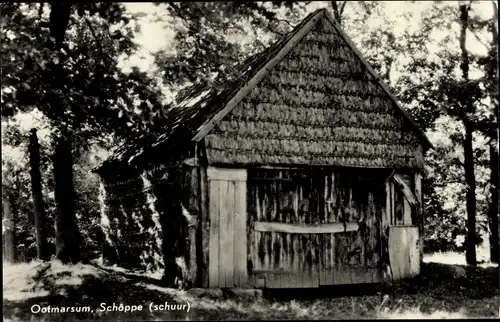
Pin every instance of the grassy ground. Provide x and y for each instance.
(440, 292)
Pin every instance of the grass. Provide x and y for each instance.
(434, 294)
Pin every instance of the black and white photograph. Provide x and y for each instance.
(250, 160)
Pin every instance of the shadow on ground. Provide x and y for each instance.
(474, 291)
(438, 288)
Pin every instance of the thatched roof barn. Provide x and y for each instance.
(302, 170)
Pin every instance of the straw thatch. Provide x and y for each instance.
(321, 104)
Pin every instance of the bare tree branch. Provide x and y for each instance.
(342, 7)
(178, 11)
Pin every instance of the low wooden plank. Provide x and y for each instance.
(304, 228)
(226, 174)
(240, 235)
(213, 261)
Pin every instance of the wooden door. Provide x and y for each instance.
(285, 244)
(311, 229)
(228, 227)
(352, 254)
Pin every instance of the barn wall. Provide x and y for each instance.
(131, 219)
(316, 227)
(149, 218)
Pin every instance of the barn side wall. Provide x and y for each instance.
(147, 220)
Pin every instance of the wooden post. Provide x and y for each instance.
(420, 214)
(204, 226)
(191, 210)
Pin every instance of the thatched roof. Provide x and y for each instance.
(310, 98)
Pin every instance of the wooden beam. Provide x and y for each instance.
(226, 174)
(378, 79)
(407, 191)
(290, 44)
(420, 214)
(304, 228)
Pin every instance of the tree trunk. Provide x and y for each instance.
(8, 234)
(338, 11)
(67, 234)
(470, 178)
(36, 192)
(493, 207)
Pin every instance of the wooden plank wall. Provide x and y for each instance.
(306, 251)
(405, 234)
(403, 251)
(420, 214)
(227, 242)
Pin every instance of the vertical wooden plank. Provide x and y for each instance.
(340, 269)
(335, 272)
(288, 279)
(395, 251)
(230, 212)
(393, 205)
(251, 217)
(386, 220)
(214, 234)
(404, 256)
(240, 233)
(420, 214)
(414, 252)
(297, 274)
(205, 226)
(275, 249)
(223, 234)
(407, 220)
(257, 265)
